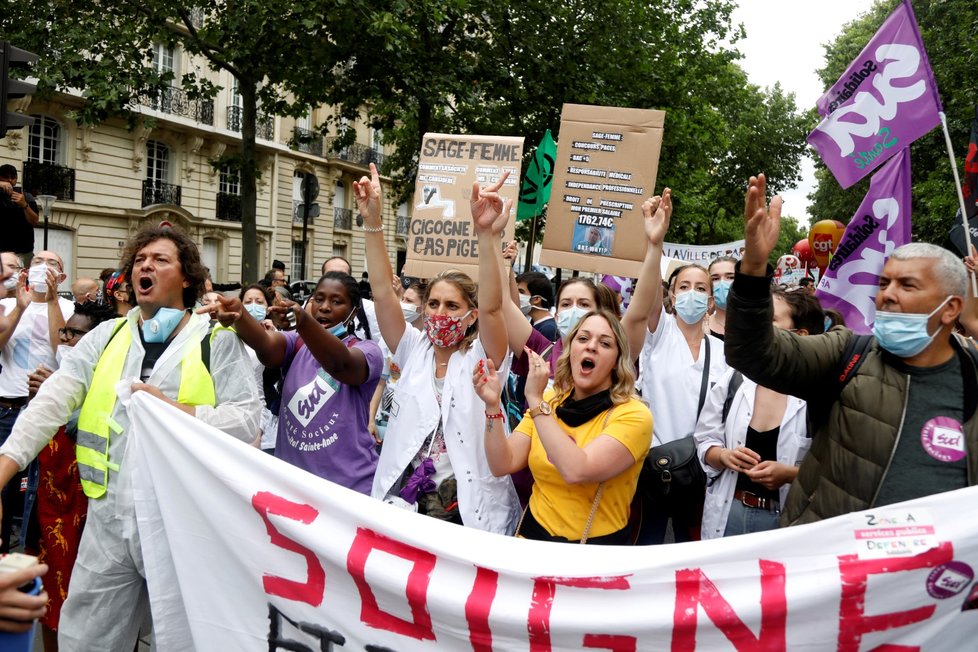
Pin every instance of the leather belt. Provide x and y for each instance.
(13, 402)
(757, 502)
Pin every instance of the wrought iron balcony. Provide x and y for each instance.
(402, 225)
(342, 218)
(175, 101)
(356, 153)
(158, 192)
(264, 124)
(49, 179)
(228, 207)
(304, 140)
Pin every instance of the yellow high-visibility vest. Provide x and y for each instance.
(95, 422)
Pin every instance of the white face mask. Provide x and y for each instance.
(525, 306)
(568, 317)
(410, 311)
(37, 276)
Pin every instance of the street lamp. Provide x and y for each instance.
(47, 201)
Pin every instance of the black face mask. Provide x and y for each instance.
(577, 413)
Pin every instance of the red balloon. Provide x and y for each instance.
(803, 250)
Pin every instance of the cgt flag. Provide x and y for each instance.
(884, 101)
(880, 225)
(538, 180)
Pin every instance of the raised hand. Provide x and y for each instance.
(657, 212)
(369, 198)
(536, 378)
(228, 310)
(52, 292)
(489, 212)
(487, 383)
(762, 226)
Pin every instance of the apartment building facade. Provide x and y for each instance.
(110, 180)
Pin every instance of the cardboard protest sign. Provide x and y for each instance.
(441, 235)
(607, 160)
(277, 559)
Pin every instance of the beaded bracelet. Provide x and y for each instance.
(370, 229)
(498, 415)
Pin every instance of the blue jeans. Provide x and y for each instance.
(744, 519)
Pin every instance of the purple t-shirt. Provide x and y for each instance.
(538, 344)
(322, 423)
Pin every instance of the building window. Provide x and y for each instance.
(163, 57)
(376, 140)
(298, 273)
(339, 249)
(229, 181)
(157, 162)
(305, 121)
(210, 256)
(44, 141)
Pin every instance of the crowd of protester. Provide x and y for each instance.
(499, 402)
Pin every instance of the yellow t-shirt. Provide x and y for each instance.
(562, 508)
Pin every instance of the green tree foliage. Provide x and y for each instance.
(948, 28)
(506, 68)
(104, 48)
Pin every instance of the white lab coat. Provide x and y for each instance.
(485, 501)
(107, 597)
(793, 444)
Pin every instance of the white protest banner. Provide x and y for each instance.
(440, 235)
(702, 254)
(607, 160)
(244, 552)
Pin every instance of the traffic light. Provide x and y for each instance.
(10, 89)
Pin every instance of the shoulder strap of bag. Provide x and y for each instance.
(597, 494)
(736, 380)
(852, 358)
(705, 383)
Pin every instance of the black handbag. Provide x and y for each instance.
(672, 471)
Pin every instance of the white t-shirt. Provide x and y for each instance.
(671, 379)
(29, 346)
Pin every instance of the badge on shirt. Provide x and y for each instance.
(943, 439)
(309, 398)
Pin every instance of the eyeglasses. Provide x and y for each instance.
(70, 333)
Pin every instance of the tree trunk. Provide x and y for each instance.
(249, 190)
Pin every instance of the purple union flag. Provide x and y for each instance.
(880, 225)
(884, 101)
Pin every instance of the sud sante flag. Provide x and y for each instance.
(880, 225)
(886, 99)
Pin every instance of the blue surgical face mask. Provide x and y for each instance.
(568, 317)
(720, 291)
(341, 330)
(904, 334)
(257, 311)
(161, 326)
(691, 305)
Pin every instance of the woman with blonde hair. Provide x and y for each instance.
(432, 460)
(584, 440)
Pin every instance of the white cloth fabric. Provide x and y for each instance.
(485, 501)
(29, 346)
(793, 444)
(671, 379)
(110, 593)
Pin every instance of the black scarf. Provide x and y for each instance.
(577, 413)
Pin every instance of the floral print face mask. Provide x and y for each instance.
(444, 330)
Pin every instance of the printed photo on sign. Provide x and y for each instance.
(593, 239)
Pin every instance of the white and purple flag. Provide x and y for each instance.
(880, 225)
(884, 101)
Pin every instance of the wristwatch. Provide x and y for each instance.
(543, 408)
